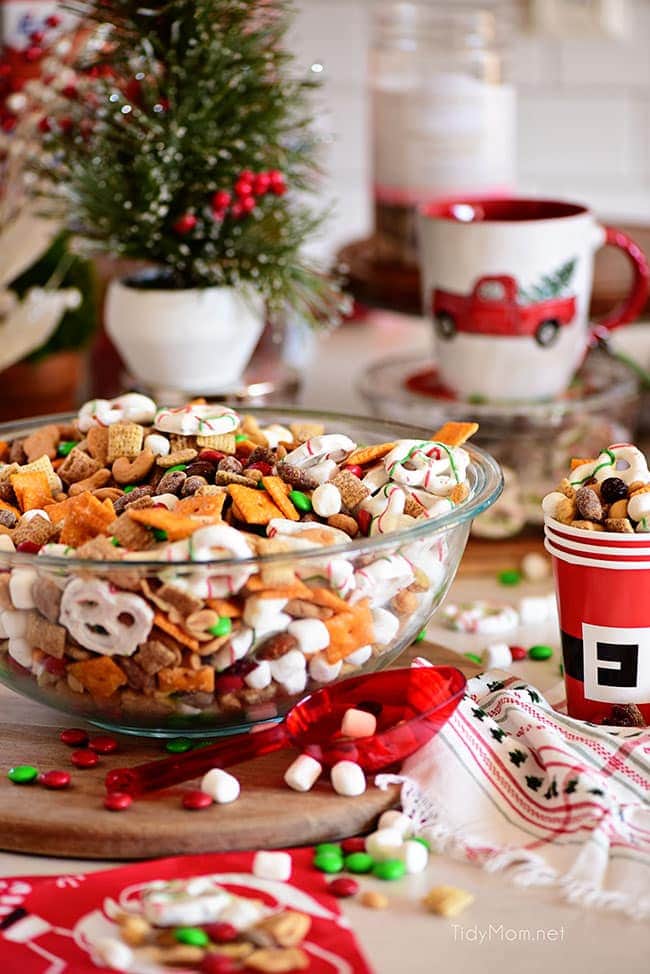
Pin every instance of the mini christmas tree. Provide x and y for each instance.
(183, 139)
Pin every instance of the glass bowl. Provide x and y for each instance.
(406, 577)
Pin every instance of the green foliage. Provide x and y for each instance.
(76, 326)
(550, 286)
(184, 96)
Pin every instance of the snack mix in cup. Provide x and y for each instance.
(168, 570)
(595, 524)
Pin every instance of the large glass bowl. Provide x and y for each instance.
(412, 571)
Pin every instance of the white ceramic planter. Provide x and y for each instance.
(198, 340)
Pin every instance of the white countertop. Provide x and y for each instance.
(507, 929)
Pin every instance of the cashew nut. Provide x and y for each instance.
(127, 471)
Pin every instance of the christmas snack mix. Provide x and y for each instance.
(168, 569)
(610, 492)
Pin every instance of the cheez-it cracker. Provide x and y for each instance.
(454, 434)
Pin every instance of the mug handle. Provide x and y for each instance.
(631, 307)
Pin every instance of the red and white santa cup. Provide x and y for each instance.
(602, 583)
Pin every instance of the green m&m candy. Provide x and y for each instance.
(327, 847)
(177, 466)
(359, 862)
(389, 869)
(193, 936)
(540, 652)
(222, 627)
(511, 576)
(22, 774)
(178, 745)
(421, 635)
(300, 501)
(66, 447)
(329, 862)
(474, 657)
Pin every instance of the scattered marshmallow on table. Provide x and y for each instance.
(302, 774)
(358, 723)
(272, 865)
(384, 844)
(312, 635)
(535, 567)
(222, 787)
(348, 779)
(534, 609)
(496, 654)
(392, 819)
(415, 856)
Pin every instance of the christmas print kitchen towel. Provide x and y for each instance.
(510, 783)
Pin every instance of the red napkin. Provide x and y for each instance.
(48, 923)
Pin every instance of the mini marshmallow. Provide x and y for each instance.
(14, 622)
(536, 608)
(496, 654)
(638, 506)
(158, 444)
(323, 471)
(235, 649)
(273, 865)
(359, 656)
(169, 500)
(114, 954)
(276, 434)
(6, 544)
(385, 626)
(20, 588)
(348, 779)
(551, 502)
(21, 652)
(535, 567)
(415, 857)
(323, 672)
(326, 500)
(34, 512)
(242, 913)
(222, 787)
(384, 844)
(260, 677)
(289, 671)
(398, 821)
(303, 773)
(265, 615)
(312, 635)
(358, 723)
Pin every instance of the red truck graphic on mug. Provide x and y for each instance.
(496, 305)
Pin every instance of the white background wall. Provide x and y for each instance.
(583, 115)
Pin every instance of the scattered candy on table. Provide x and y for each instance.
(272, 865)
(540, 652)
(302, 774)
(55, 780)
(117, 801)
(447, 901)
(22, 774)
(222, 787)
(195, 800)
(84, 758)
(343, 887)
(348, 779)
(374, 900)
(74, 737)
(103, 744)
(511, 576)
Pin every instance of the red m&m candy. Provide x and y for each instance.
(84, 758)
(221, 933)
(196, 800)
(74, 737)
(343, 887)
(354, 844)
(54, 780)
(518, 652)
(103, 744)
(117, 801)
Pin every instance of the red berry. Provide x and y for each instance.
(8, 123)
(55, 779)
(196, 799)
(74, 737)
(66, 124)
(30, 547)
(218, 964)
(133, 90)
(212, 456)
(364, 520)
(261, 183)
(247, 204)
(248, 175)
(221, 199)
(185, 224)
(237, 210)
(84, 758)
(278, 184)
(52, 21)
(103, 744)
(518, 652)
(354, 844)
(243, 188)
(265, 468)
(227, 682)
(354, 468)
(343, 887)
(44, 124)
(37, 37)
(117, 801)
(221, 933)
(33, 53)
(69, 91)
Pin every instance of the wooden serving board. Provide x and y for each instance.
(74, 822)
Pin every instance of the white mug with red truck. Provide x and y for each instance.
(507, 283)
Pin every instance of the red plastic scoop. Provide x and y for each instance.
(411, 705)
